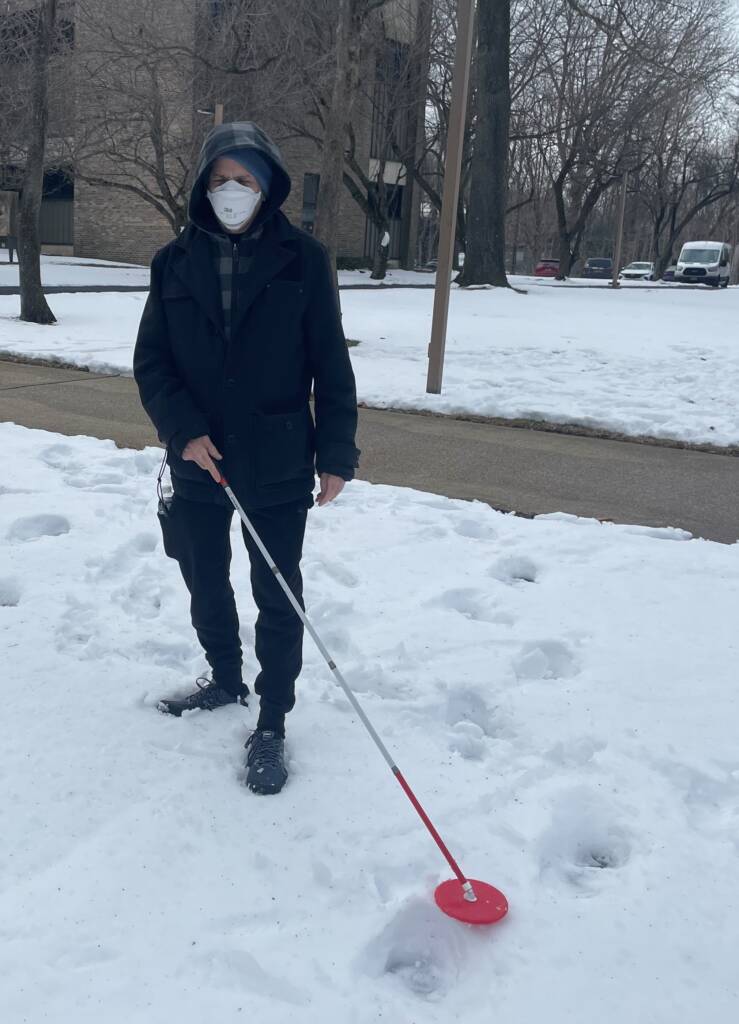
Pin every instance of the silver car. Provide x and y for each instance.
(637, 272)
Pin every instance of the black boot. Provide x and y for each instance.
(265, 762)
(207, 697)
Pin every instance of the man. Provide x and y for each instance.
(242, 320)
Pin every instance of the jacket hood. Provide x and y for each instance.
(221, 140)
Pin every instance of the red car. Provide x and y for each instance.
(546, 268)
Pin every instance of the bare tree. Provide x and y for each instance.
(387, 117)
(694, 165)
(156, 75)
(29, 45)
(353, 19)
(485, 251)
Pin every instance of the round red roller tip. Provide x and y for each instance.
(489, 907)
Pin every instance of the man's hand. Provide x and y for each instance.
(202, 451)
(331, 487)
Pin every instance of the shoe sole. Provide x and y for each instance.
(265, 790)
(172, 708)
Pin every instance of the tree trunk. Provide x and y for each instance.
(484, 261)
(379, 265)
(34, 307)
(344, 91)
(563, 234)
(416, 121)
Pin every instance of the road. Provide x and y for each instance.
(528, 471)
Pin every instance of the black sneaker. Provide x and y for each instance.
(265, 762)
(207, 697)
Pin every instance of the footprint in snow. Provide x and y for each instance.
(237, 970)
(163, 652)
(468, 740)
(514, 569)
(472, 604)
(33, 527)
(584, 841)
(331, 610)
(76, 628)
(123, 557)
(10, 592)
(711, 800)
(474, 529)
(339, 573)
(546, 659)
(135, 463)
(372, 677)
(61, 456)
(420, 948)
(100, 483)
(141, 596)
(466, 705)
(575, 753)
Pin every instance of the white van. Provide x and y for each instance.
(704, 263)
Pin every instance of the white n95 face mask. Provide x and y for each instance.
(234, 204)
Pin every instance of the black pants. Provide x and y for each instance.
(197, 536)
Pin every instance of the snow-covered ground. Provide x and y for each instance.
(655, 361)
(644, 361)
(561, 694)
(73, 271)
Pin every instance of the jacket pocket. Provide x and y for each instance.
(285, 447)
(174, 289)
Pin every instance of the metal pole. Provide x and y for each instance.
(469, 892)
(218, 116)
(620, 232)
(452, 174)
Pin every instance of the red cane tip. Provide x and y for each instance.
(223, 481)
(489, 906)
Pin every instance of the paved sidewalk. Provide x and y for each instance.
(528, 471)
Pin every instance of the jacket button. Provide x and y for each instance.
(231, 381)
(289, 425)
(231, 438)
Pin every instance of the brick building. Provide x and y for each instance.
(130, 177)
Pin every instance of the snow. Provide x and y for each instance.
(66, 271)
(97, 331)
(646, 360)
(560, 693)
(73, 271)
(642, 361)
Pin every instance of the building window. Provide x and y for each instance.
(311, 183)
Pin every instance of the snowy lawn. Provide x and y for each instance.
(642, 361)
(73, 271)
(654, 361)
(561, 694)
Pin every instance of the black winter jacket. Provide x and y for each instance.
(250, 395)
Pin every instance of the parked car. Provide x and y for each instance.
(669, 274)
(598, 267)
(546, 268)
(704, 263)
(637, 272)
